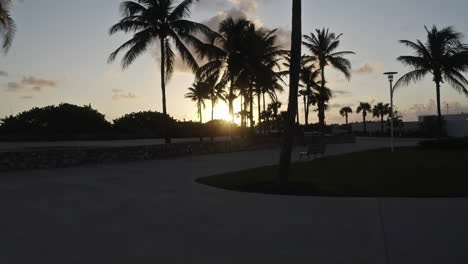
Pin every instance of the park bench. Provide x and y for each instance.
(314, 149)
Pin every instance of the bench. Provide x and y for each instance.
(314, 149)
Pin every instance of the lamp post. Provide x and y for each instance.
(390, 79)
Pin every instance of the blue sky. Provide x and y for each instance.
(61, 48)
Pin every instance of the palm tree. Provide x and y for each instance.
(380, 110)
(364, 108)
(309, 79)
(295, 69)
(274, 108)
(443, 56)
(345, 111)
(215, 91)
(198, 93)
(322, 46)
(262, 59)
(165, 21)
(229, 59)
(7, 24)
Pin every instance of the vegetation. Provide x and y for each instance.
(7, 24)
(413, 172)
(61, 120)
(143, 124)
(322, 46)
(364, 108)
(345, 111)
(443, 56)
(162, 21)
(381, 110)
(198, 93)
(70, 122)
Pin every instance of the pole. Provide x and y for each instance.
(392, 143)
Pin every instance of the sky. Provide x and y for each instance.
(61, 48)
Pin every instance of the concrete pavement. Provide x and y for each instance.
(153, 212)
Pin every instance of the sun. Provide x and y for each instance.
(221, 112)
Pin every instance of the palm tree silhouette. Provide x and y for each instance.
(165, 21)
(7, 24)
(380, 110)
(309, 78)
(365, 108)
(198, 93)
(444, 56)
(263, 56)
(294, 76)
(216, 91)
(322, 46)
(345, 111)
(229, 60)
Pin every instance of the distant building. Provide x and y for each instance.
(375, 127)
(456, 125)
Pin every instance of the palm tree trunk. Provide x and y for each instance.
(231, 105)
(267, 123)
(251, 99)
(346, 119)
(321, 105)
(212, 108)
(163, 89)
(305, 110)
(212, 118)
(288, 140)
(259, 111)
(307, 107)
(439, 111)
(382, 124)
(364, 122)
(297, 115)
(201, 119)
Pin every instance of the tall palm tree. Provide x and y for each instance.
(345, 111)
(381, 110)
(309, 79)
(443, 56)
(198, 93)
(364, 108)
(322, 45)
(163, 21)
(216, 91)
(229, 59)
(7, 24)
(263, 56)
(295, 69)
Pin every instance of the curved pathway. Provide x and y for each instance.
(153, 212)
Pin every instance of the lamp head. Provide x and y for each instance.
(390, 75)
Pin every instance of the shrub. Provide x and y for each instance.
(144, 124)
(61, 120)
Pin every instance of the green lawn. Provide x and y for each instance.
(409, 172)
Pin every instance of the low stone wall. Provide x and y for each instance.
(75, 156)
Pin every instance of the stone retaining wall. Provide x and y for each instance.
(68, 157)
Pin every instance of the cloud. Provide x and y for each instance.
(342, 93)
(119, 94)
(14, 87)
(369, 68)
(27, 97)
(430, 108)
(336, 81)
(31, 83)
(3, 74)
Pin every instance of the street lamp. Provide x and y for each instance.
(390, 79)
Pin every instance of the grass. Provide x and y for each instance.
(409, 172)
